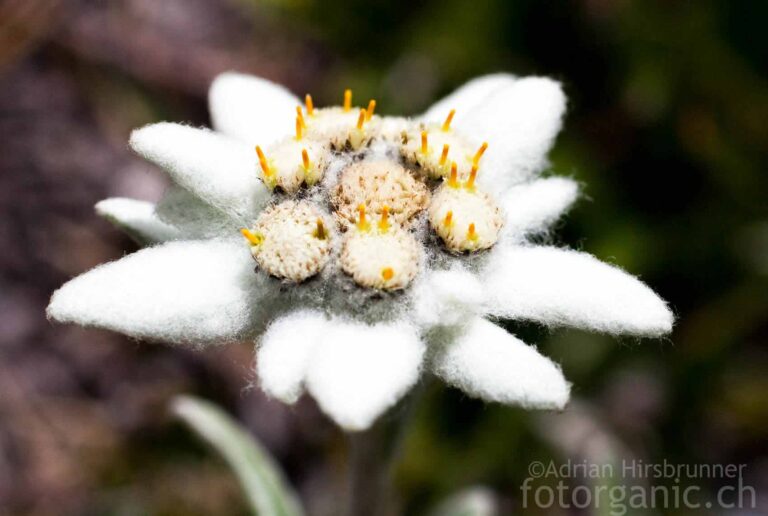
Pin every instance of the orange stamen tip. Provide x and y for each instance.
(384, 222)
(309, 104)
(362, 224)
(444, 155)
(263, 162)
(479, 153)
(453, 179)
(361, 119)
(448, 220)
(371, 109)
(448, 120)
(471, 233)
(424, 142)
(305, 158)
(252, 237)
(299, 128)
(300, 116)
(472, 175)
(387, 273)
(320, 231)
(347, 99)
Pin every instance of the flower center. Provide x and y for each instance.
(379, 177)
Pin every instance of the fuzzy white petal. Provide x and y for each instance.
(186, 292)
(532, 207)
(192, 217)
(520, 123)
(137, 219)
(284, 353)
(563, 287)
(219, 170)
(487, 362)
(446, 297)
(251, 109)
(465, 98)
(358, 370)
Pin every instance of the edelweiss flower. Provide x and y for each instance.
(382, 246)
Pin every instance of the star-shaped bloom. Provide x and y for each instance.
(359, 251)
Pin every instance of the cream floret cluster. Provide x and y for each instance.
(381, 191)
(360, 251)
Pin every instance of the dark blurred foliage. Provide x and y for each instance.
(666, 129)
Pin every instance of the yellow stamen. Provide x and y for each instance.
(371, 109)
(479, 153)
(299, 127)
(453, 179)
(263, 162)
(305, 159)
(387, 273)
(362, 223)
(309, 104)
(471, 233)
(384, 222)
(300, 117)
(470, 184)
(423, 142)
(320, 231)
(253, 238)
(361, 120)
(444, 155)
(448, 119)
(347, 100)
(448, 220)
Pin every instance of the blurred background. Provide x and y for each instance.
(667, 128)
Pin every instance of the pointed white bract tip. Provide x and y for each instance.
(137, 219)
(251, 109)
(533, 207)
(283, 355)
(358, 371)
(560, 287)
(487, 362)
(219, 170)
(182, 292)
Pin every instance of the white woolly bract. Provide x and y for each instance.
(137, 219)
(186, 292)
(358, 370)
(194, 218)
(219, 170)
(519, 122)
(561, 287)
(487, 362)
(250, 109)
(284, 352)
(467, 97)
(532, 207)
(446, 297)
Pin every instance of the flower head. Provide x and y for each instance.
(359, 250)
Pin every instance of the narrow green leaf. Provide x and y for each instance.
(474, 501)
(260, 476)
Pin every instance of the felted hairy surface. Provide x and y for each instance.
(367, 255)
(219, 170)
(193, 218)
(466, 207)
(185, 292)
(291, 246)
(375, 184)
(137, 219)
(357, 371)
(486, 362)
(562, 287)
(251, 109)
